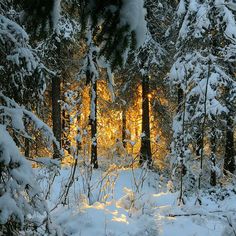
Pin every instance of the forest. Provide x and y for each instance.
(117, 117)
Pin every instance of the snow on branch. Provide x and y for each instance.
(133, 14)
(16, 113)
(20, 195)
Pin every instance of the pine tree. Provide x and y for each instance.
(22, 74)
(205, 30)
(90, 71)
(54, 50)
(145, 150)
(111, 21)
(148, 56)
(56, 112)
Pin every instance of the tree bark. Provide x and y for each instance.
(203, 126)
(198, 144)
(180, 98)
(229, 162)
(213, 158)
(79, 133)
(145, 151)
(27, 147)
(93, 122)
(56, 113)
(66, 130)
(27, 141)
(124, 127)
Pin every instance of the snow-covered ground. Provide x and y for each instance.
(133, 203)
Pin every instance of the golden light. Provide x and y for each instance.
(150, 96)
(109, 118)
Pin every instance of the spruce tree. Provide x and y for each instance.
(22, 74)
(206, 30)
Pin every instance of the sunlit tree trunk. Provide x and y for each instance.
(66, 130)
(65, 120)
(145, 151)
(124, 127)
(229, 162)
(56, 112)
(79, 136)
(93, 122)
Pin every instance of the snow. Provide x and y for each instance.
(155, 53)
(197, 18)
(67, 29)
(20, 195)
(181, 8)
(203, 23)
(56, 13)
(8, 207)
(121, 201)
(11, 30)
(228, 19)
(138, 203)
(21, 55)
(16, 113)
(132, 13)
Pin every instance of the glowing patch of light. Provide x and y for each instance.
(121, 219)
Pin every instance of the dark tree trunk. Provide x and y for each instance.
(145, 151)
(79, 138)
(229, 162)
(180, 98)
(93, 122)
(198, 144)
(56, 113)
(27, 141)
(124, 128)
(181, 107)
(213, 158)
(27, 147)
(203, 127)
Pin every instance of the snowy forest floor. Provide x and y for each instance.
(136, 202)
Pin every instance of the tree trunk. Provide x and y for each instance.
(198, 143)
(124, 128)
(213, 158)
(66, 130)
(66, 144)
(27, 147)
(27, 141)
(93, 122)
(145, 151)
(56, 113)
(203, 126)
(79, 137)
(182, 106)
(229, 162)
(180, 98)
